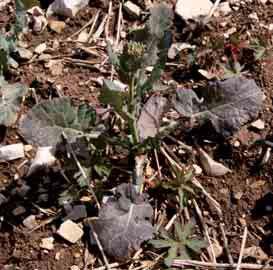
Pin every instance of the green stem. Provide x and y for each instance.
(132, 112)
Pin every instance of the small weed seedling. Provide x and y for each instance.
(181, 245)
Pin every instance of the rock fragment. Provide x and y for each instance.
(188, 9)
(47, 243)
(12, 152)
(132, 9)
(70, 231)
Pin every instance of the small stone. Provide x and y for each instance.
(58, 256)
(176, 48)
(74, 267)
(270, 27)
(12, 152)
(253, 16)
(56, 26)
(258, 124)
(24, 54)
(18, 211)
(45, 57)
(70, 231)
(236, 144)
(40, 48)
(132, 9)
(197, 169)
(188, 9)
(30, 222)
(47, 243)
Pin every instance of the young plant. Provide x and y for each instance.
(147, 47)
(181, 185)
(181, 246)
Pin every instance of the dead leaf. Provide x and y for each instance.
(150, 117)
(210, 166)
(124, 222)
(255, 252)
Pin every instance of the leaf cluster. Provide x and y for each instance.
(146, 47)
(181, 184)
(181, 246)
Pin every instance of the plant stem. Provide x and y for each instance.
(132, 112)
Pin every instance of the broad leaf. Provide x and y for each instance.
(113, 95)
(196, 245)
(124, 222)
(44, 124)
(227, 104)
(151, 114)
(10, 100)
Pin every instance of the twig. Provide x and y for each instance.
(119, 26)
(71, 151)
(106, 30)
(183, 145)
(205, 229)
(100, 247)
(79, 31)
(100, 29)
(170, 223)
(210, 198)
(157, 164)
(225, 241)
(93, 25)
(112, 265)
(214, 7)
(242, 249)
(206, 265)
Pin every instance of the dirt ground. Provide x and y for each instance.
(245, 195)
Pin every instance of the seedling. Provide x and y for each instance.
(181, 246)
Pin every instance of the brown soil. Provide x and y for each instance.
(22, 250)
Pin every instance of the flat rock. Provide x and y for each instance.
(47, 243)
(70, 231)
(188, 9)
(12, 152)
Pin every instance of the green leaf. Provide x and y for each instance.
(161, 243)
(196, 245)
(10, 100)
(45, 122)
(113, 95)
(172, 254)
(103, 170)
